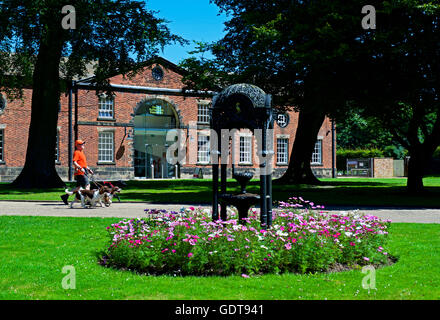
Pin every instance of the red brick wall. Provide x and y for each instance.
(16, 120)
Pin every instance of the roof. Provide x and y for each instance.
(156, 59)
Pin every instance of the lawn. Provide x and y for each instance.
(341, 191)
(34, 251)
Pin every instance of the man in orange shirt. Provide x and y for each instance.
(81, 167)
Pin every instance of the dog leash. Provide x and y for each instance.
(93, 180)
(101, 185)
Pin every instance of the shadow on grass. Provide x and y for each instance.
(359, 192)
(368, 193)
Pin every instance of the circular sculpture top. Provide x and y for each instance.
(256, 95)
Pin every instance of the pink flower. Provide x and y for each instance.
(245, 275)
(192, 208)
(288, 246)
(190, 255)
(366, 259)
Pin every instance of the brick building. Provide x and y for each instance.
(126, 135)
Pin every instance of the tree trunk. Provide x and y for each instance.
(418, 162)
(39, 169)
(299, 170)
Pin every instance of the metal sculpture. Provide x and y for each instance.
(241, 106)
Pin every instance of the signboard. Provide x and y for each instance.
(359, 167)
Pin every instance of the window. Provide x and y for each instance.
(157, 73)
(245, 150)
(317, 153)
(202, 148)
(203, 114)
(2, 135)
(106, 108)
(106, 147)
(282, 150)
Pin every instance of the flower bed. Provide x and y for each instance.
(302, 239)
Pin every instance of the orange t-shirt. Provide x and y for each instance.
(80, 158)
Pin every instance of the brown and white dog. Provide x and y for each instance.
(112, 191)
(91, 197)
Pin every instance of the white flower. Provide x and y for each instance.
(348, 234)
(282, 234)
(263, 247)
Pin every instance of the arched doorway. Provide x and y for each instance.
(152, 120)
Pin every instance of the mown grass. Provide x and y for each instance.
(34, 250)
(341, 191)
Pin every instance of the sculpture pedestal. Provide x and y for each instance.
(242, 202)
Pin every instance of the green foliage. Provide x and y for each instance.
(104, 39)
(343, 154)
(358, 132)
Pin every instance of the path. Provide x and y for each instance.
(133, 210)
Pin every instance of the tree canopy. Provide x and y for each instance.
(35, 49)
(317, 57)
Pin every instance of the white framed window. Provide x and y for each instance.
(106, 146)
(106, 107)
(317, 153)
(2, 145)
(203, 148)
(282, 151)
(203, 113)
(245, 150)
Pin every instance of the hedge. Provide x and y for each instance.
(343, 154)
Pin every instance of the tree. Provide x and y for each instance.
(35, 48)
(400, 79)
(317, 57)
(299, 51)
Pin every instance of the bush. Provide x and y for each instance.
(300, 240)
(343, 154)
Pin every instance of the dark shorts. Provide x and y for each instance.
(81, 181)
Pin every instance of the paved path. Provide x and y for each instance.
(132, 210)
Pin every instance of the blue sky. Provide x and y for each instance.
(190, 19)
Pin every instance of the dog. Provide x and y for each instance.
(111, 184)
(91, 197)
(112, 192)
